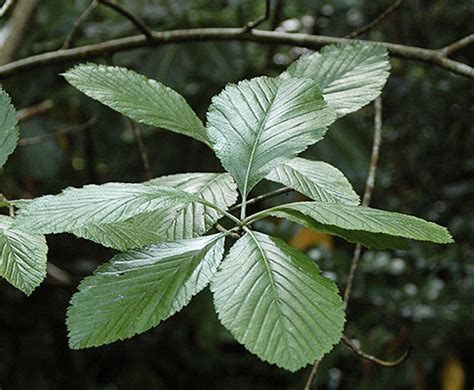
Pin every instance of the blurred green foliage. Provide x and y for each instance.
(424, 296)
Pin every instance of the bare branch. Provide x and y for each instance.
(16, 29)
(376, 360)
(268, 195)
(376, 21)
(6, 7)
(312, 374)
(251, 25)
(142, 149)
(102, 49)
(59, 275)
(50, 136)
(78, 24)
(37, 109)
(140, 26)
(458, 45)
(369, 187)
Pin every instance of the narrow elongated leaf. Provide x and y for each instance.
(8, 127)
(370, 227)
(131, 94)
(261, 123)
(171, 222)
(99, 204)
(315, 179)
(138, 289)
(23, 260)
(273, 300)
(350, 75)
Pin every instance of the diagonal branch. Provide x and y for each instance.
(50, 136)
(58, 57)
(376, 360)
(458, 45)
(78, 24)
(251, 25)
(6, 7)
(379, 19)
(126, 13)
(369, 187)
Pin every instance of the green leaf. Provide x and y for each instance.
(138, 289)
(99, 204)
(261, 123)
(273, 299)
(350, 75)
(142, 99)
(23, 261)
(370, 227)
(168, 223)
(315, 179)
(8, 127)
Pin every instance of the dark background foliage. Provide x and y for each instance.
(426, 169)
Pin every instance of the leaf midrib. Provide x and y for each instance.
(266, 262)
(256, 143)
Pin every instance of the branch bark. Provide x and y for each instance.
(374, 359)
(458, 45)
(6, 7)
(121, 10)
(16, 29)
(64, 56)
(369, 188)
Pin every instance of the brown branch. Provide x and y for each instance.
(268, 195)
(141, 148)
(376, 360)
(312, 374)
(50, 136)
(458, 45)
(251, 25)
(6, 7)
(369, 187)
(64, 56)
(120, 9)
(34, 110)
(379, 19)
(78, 24)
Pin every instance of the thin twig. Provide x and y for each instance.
(59, 275)
(34, 110)
(78, 24)
(268, 195)
(142, 149)
(222, 229)
(376, 360)
(311, 376)
(251, 25)
(369, 187)
(428, 56)
(51, 136)
(6, 7)
(376, 21)
(126, 13)
(458, 45)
